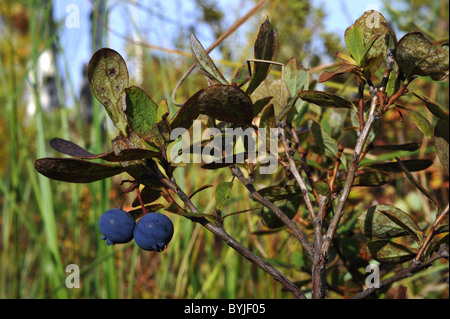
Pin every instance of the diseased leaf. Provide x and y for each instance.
(324, 99)
(414, 56)
(72, 149)
(260, 104)
(223, 191)
(205, 64)
(134, 144)
(241, 77)
(108, 76)
(148, 195)
(388, 252)
(411, 147)
(224, 103)
(441, 137)
(138, 213)
(328, 75)
(187, 113)
(385, 221)
(75, 170)
(266, 46)
(412, 165)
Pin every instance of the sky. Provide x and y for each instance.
(124, 18)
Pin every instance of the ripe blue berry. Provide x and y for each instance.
(117, 226)
(153, 231)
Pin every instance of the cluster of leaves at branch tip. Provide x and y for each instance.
(144, 126)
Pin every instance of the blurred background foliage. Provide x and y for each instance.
(46, 225)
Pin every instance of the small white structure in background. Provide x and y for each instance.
(43, 75)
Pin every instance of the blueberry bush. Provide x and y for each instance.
(320, 156)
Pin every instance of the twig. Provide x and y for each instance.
(229, 240)
(295, 173)
(254, 195)
(430, 235)
(407, 272)
(350, 176)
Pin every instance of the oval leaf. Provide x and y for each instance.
(375, 36)
(142, 114)
(108, 76)
(414, 56)
(385, 221)
(75, 170)
(389, 252)
(371, 178)
(324, 99)
(205, 64)
(225, 103)
(441, 137)
(266, 46)
(411, 165)
(223, 191)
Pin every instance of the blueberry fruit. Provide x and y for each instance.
(153, 231)
(117, 226)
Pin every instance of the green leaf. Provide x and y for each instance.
(142, 114)
(441, 137)
(326, 144)
(371, 178)
(422, 123)
(375, 35)
(385, 221)
(415, 182)
(108, 76)
(388, 252)
(414, 56)
(279, 192)
(322, 188)
(435, 109)
(223, 191)
(296, 77)
(75, 170)
(205, 64)
(411, 165)
(355, 43)
(266, 46)
(324, 99)
(287, 206)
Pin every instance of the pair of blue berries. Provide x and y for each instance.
(152, 232)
